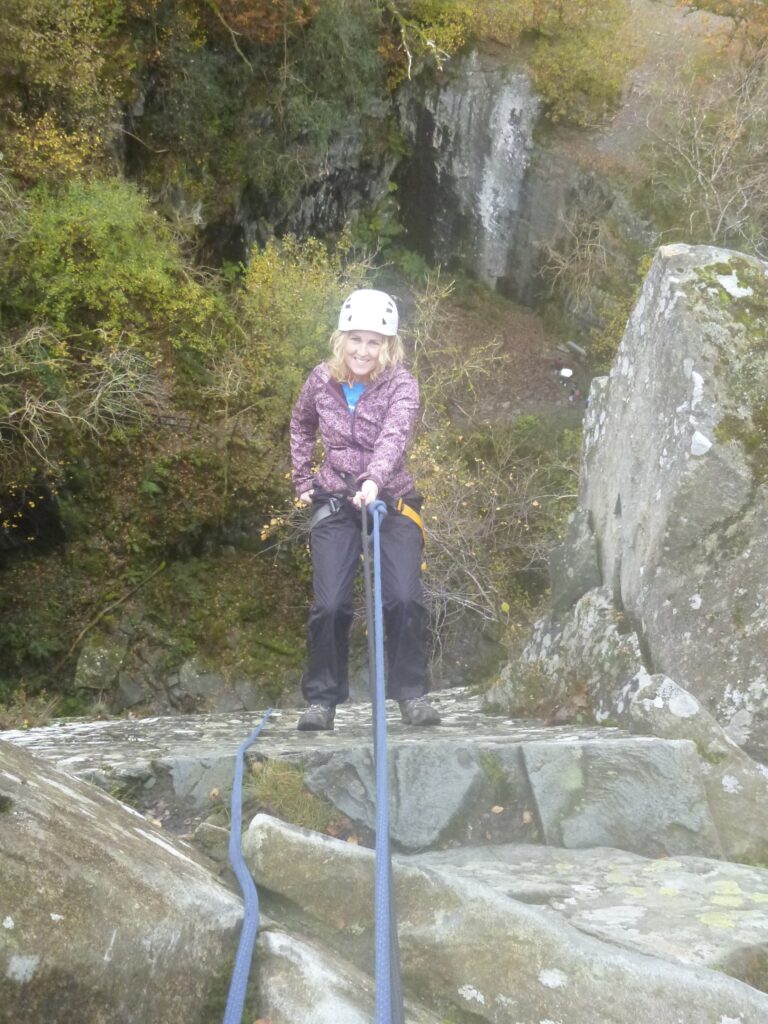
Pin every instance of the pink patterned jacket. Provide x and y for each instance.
(369, 444)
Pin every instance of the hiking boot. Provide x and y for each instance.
(418, 711)
(317, 716)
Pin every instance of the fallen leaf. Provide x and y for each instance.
(527, 817)
(496, 809)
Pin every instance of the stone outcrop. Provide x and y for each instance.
(472, 137)
(478, 778)
(525, 902)
(736, 786)
(674, 480)
(589, 651)
(471, 951)
(103, 917)
(673, 489)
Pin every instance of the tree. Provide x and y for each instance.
(749, 22)
(709, 172)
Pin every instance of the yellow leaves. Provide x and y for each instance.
(43, 149)
(580, 64)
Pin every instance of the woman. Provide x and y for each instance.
(363, 404)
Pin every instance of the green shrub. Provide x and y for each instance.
(291, 295)
(578, 51)
(95, 261)
(62, 71)
(581, 57)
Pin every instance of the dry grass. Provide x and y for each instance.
(278, 788)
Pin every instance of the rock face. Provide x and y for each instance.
(656, 705)
(103, 917)
(674, 480)
(674, 487)
(584, 790)
(472, 137)
(472, 952)
(589, 649)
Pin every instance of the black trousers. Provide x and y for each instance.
(336, 545)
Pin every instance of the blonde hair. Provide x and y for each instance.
(390, 354)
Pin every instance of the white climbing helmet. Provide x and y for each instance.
(369, 310)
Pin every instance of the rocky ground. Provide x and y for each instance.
(525, 378)
(563, 873)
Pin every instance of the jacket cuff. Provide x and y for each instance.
(371, 476)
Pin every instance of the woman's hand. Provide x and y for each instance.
(306, 497)
(368, 493)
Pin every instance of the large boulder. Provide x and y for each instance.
(644, 795)
(736, 786)
(450, 778)
(300, 982)
(104, 919)
(468, 947)
(674, 477)
(674, 501)
(573, 662)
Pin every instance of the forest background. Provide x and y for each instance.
(147, 373)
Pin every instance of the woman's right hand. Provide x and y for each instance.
(306, 497)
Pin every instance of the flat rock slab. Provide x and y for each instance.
(476, 778)
(188, 755)
(689, 909)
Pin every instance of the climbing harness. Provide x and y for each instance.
(413, 515)
(335, 503)
(389, 994)
(328, 508)
(238, 985)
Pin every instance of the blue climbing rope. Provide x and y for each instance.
(238, 985)
(389, 998)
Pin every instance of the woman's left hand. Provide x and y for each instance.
(368, 493)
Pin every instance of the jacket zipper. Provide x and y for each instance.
(338, 391)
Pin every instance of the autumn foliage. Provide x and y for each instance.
(263, 22)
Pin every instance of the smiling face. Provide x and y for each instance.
(361, 352)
